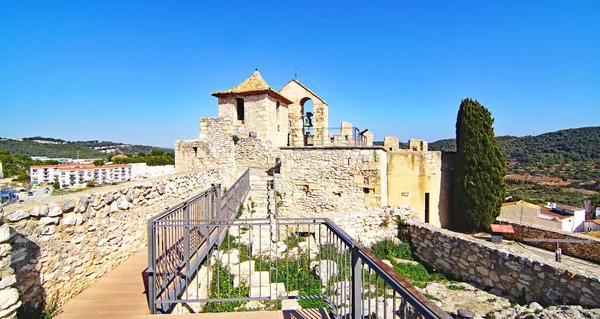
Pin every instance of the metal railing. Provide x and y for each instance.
(177, 244)
(267, 264)
(334, 136)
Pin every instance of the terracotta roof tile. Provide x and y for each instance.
(252, 84)
(255, 84)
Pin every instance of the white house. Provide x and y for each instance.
(78, 175)
(561, 217)
(571, 217)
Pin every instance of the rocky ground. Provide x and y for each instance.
(534, 311)
(452, 296)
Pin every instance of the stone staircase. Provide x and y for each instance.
(260, 198)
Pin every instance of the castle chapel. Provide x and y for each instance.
(322, 168)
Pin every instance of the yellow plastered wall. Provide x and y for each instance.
(412, 174)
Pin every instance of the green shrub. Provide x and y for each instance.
(296, 274)
(221, 286)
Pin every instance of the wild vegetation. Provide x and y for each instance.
(31, 146)
(479, 169)
(16, 160)
(571, 155)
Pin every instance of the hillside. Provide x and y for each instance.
(549, 148)
(561, 166)
(56, 148)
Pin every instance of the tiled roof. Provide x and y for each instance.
(522, 203)
(255, 84)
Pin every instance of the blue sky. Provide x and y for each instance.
(142, 72)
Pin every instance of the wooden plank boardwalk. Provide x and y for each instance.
(120, 294)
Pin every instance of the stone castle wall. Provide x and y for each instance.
(588, 251)
(335, 179)
(254, 152)
(215, 148)
(61, 245)
(490, 265)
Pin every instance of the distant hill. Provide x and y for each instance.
(574, 144)
(57, 148)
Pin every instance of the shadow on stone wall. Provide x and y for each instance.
(447, 188)
(25, 255)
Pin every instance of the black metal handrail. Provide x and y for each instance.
(176, 246)
(358, 284)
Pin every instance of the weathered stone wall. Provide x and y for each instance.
(215, 148)
(519, 275)
(258, 110)
(299, 94)
(371, 226)
(315, 180)
(411, 175)
(589, 251)
(9, 295)
(391, 143)
(415, 144)
(254, 152)
(63, 244)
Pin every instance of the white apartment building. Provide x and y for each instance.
(78, 175)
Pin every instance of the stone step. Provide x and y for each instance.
(290, 304)
(272, 291)
(259, 278)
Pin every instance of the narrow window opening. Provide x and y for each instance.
(195, 151)
(239, 106)
(427, 208)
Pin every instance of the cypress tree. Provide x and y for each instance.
(479, 171)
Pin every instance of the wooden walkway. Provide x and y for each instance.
(120, 294)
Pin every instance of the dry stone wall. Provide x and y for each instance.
(62, 245)
(9, 295)
(589, 251)
(315, 180)
(522, 276)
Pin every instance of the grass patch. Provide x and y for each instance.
(296, 274)
(293, 240)
(453, 286)
(389, 249)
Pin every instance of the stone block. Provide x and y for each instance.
(8, 281)
(68, 206)
(54, 210)
(5, 233)
(69, 219)
(17, 215)
(8, 297)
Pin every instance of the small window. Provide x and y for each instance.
(239, 107)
